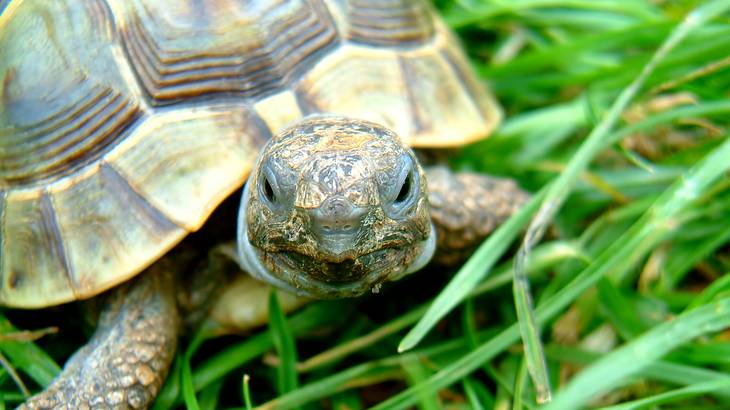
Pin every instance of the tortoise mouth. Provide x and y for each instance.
(315, 277)
(346, 270)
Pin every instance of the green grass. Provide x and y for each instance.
(628, 303)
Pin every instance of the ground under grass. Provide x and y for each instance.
(617, 120)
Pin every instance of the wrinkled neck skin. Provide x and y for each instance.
(333, 208)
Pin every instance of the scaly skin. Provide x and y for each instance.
(125, 363)
(466, 207)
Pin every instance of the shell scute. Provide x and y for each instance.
(187, 161)
(389, 22)
(355, 79)
(61, 104)
(447, 109)
(33, 259)
(107, 228)
(192, 48)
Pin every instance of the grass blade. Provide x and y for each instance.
(477, 396)
(534, 355)
(616, 367)
(683, 393)
(28, 357)
(247, 392)
(187, 385)
(660, 370)
(415, 373)
(286, 372)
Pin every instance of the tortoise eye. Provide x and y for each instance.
(406, 196)
(405, 189)
(269, 191)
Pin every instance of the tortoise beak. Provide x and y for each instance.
(337, 226)
(338, 248)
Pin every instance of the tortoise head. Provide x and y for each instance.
(334, 207)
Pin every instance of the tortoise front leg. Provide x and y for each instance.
(243, 303)
(466, 207)
(126, 361)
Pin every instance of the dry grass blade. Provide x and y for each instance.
(28, 335)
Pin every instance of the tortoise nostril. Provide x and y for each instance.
(337, 215)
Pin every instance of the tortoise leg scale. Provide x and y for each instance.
(125, 363)
(466, 207)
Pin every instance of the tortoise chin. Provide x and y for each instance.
(340, 270)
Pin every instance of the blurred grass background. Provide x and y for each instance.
(628, 281)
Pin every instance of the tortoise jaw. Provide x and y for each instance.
(341, 269)
(337, 249)
(348, 267)
(301, 275)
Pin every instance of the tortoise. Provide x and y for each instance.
(124, 124)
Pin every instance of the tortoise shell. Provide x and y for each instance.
(124, 123)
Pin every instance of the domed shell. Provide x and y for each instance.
(124, 123)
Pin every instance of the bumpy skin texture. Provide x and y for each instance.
(125, 363)
(466, 207)
(335, 207)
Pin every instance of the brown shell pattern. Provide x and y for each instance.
(123, 123)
